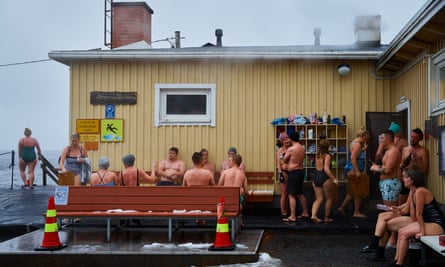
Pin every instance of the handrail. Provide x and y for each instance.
(48, 169)
(11, 165)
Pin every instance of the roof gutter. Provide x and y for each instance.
(67, 57)
(422, 17)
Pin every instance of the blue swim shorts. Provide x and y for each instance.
(390, 189)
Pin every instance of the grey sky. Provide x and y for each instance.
(37, 95)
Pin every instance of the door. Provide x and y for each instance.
(376, 123)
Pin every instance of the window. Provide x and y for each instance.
(437, 86)
(185, 104)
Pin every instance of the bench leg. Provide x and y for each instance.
(169, 230)
(234, 222)
(108, 229)
(423, 255)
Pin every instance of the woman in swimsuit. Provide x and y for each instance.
(424, 211)
(72, 158)
(323, 183)
(103, 177)
(355, 167)
(28, 158)
(132, 176)
(282, 173)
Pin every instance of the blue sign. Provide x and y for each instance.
(109, 111)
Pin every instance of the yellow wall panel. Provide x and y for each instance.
(250, 94)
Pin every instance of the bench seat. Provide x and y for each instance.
(160, 202)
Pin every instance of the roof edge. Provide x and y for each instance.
(413, 26)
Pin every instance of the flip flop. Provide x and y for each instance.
(288, 219)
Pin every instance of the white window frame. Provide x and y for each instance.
(163, 89)
(437, 104)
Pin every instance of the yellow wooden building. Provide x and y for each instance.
(245, 88)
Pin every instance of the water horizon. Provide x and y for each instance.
(6, 171)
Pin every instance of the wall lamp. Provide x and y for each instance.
(343, 69)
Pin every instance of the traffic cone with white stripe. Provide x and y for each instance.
(51, 235)
(223, 240)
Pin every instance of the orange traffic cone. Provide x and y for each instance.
(51, 236)
(222, 238)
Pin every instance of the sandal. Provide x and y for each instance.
(288, 219)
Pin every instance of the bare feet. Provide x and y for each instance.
(342, 210)
(359, 215)
(316, 220)
(328, 220)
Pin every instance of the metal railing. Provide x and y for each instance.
(11, 165)
(48, 170)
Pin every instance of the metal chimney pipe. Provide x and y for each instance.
(317, 33)
(219, 34)
(177, 39)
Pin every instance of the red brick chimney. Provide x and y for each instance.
(131, 22)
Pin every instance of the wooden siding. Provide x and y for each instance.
(413, 84)
(249, 95)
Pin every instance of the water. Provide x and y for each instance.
(6, 170)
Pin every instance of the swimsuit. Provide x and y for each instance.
(164, 183)
(28, 153)
(102, 183)
(319, 177)
(360, 161)
(137, 178)
(295, 182)
(432, 213)
(71, 163)
(390, 189)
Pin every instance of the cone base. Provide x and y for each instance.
(225, 248)
(40, 248)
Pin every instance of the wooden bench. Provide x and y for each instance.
(154, 202)
(261, 186)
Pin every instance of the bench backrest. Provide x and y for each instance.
(151, 198)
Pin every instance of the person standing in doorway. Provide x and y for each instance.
(28, 157)
(294, 159)
(389, 183)
(413, 154)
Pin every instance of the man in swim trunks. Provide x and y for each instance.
(28, 158)
(234, 176)
(294, 159)
(389, 183)
(413, 154)
(198, 176)
(172, 169)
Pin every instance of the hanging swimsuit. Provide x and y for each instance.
(28, 153)
(137, 178)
